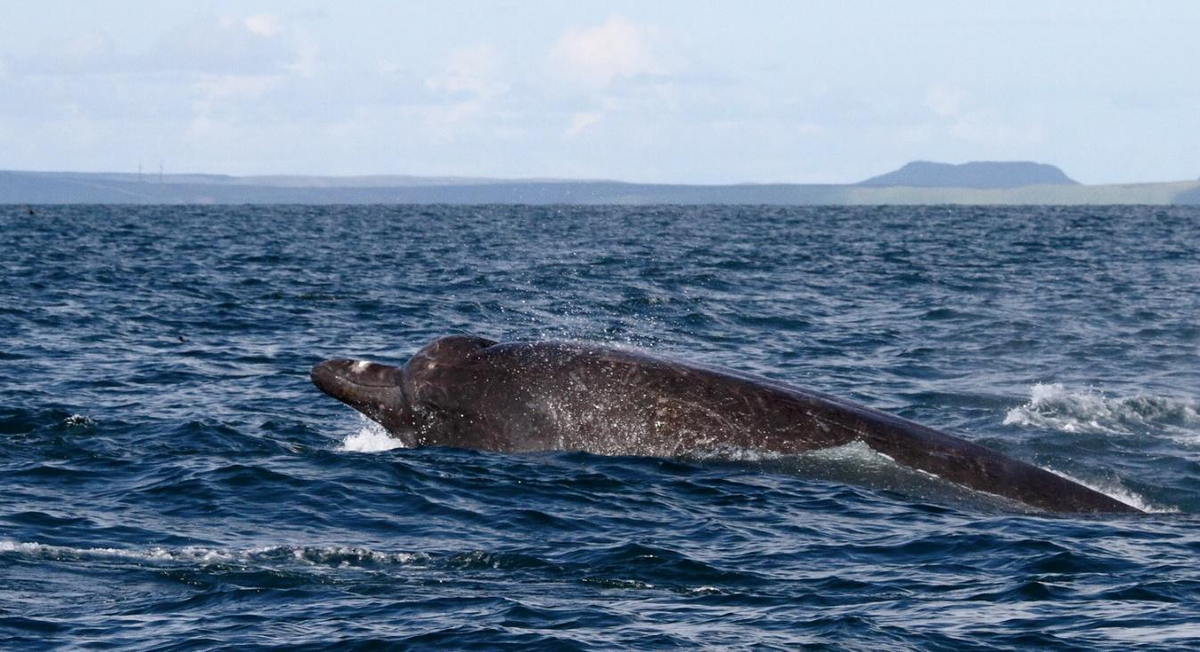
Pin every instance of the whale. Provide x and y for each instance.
(470, 392)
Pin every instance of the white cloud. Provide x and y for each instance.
(305, 53)
(581, 121)
(596, 59)
(959, 120)
(206, 45)
(253, 45)
(617, 49)
(445, 122)
(471, 70)
(471, 79)
(262, 24)
(220, 97)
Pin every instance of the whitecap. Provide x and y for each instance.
(1055, 407)
(79, 421)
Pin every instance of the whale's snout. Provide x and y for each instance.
(340, 375)
(325, 375)
(373, 389)
(334, 377)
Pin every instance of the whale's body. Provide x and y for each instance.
(470, 392)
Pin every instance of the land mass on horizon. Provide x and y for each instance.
(919, 182)
(976, 174)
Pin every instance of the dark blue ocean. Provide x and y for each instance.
(171, 480)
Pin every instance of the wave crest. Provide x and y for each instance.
(1055, 407)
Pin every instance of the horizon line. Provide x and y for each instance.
(449, 179)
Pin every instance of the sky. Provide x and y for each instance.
(666, 91)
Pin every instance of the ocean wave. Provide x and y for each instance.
(202, 493)
(1055, 407)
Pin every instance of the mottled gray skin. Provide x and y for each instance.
(469, 392)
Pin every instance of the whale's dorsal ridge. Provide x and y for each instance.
(527, 396)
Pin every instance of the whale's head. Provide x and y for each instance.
(411, 401)
(376, 390)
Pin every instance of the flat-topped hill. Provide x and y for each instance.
(977, 174)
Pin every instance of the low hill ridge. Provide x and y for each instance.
(976, 174)
(25, 188)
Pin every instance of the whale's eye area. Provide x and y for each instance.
(450, 350)
(370, 374)
(347, 374)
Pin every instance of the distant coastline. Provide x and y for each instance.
(978, 183)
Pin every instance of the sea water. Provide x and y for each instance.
(170, 479)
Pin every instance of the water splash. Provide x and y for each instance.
(1058, 408)
(370, 438)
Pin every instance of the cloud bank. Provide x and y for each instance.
(671, 92)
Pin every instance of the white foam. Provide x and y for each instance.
(370, 438)
(861, 454)
(735, 454)
(308, 555)
(1055, 407)
(855, 452)
(864, 459)
(1179, 634)
(1119, 493)
(703, 590)
(79, 421)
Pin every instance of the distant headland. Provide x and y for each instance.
(977, 174)
(919, 182)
